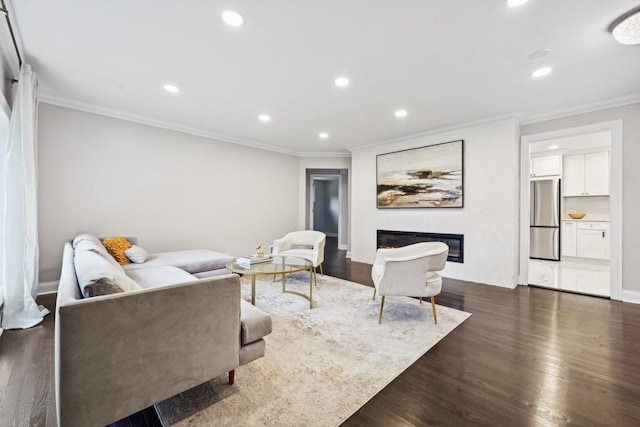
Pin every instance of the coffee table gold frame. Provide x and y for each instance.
(278, 265)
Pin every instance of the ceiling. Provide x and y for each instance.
(446, 62)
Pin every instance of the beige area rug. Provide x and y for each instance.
(321, 364)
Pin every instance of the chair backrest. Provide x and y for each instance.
(304, 237)
(312, 239)
(406, 267)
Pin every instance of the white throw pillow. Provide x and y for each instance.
(136, 254)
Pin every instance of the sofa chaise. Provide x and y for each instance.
(151, 331)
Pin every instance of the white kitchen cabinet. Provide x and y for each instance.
(568, 238)
(545, 166)
(592, 240)
(586, 174)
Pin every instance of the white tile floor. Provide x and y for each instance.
(571, 276)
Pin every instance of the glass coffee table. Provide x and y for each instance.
(279, 264)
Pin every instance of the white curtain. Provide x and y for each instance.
(19, 210)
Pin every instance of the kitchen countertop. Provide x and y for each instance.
(587, 217)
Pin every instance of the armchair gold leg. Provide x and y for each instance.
(381, 307)
(374, 293)
(321, 272)
(433, 307)
(315, 275)
(420, 298)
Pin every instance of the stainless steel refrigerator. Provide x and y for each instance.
(544, 224)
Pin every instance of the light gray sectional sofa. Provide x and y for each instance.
(155, 330)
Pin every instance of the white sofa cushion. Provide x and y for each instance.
(91, 267)
(163, 275)
(84, 236)
(136, 254)
(190, 260)
(97, 247)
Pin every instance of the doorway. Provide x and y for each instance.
(327, 204)
(581, 243)
(600, 208)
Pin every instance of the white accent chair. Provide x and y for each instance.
(307, 244)
(410, 271)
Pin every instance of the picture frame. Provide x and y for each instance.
(425, 177)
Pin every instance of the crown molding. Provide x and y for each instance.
(582, 109)
(517, 118)
(333, 154)
(458, 127)
(94, 109)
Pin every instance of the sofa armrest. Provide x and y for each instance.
(118, 354)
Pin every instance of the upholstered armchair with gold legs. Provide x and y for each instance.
(410, 271)
(307, 244)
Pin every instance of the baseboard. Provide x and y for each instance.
(343, 247)
(47, 288)
(348, 254)
(631, 296)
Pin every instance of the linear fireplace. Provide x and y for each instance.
(396, 239)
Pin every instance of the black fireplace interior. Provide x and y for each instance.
(397, 239)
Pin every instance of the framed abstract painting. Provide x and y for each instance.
(425, 177)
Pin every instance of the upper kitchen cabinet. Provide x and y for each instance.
(586, 174)
(545, 166)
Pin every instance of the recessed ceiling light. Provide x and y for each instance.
(540, 53)
(541, 72)
(626, 29)
(233, 18)
(323, 135)
(401, 113)
(516, 3)
(552, 147)
(264, 118)
(171, 88)
(341, 81)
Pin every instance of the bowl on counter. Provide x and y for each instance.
(577, 215)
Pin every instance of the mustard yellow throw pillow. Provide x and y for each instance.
(116, 247)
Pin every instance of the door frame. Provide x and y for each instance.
(343, 217)
(615, 197)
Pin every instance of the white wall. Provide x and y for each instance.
(630, 116)
(488, 220)
(171, 190)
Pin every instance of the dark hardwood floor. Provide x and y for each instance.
(525, 357)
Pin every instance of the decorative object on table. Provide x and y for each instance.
(259, 250)
(577, 215)
(248, 261)
(425, 177)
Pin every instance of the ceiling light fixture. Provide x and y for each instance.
(323, 135)
(552, 147)
(541, 72)
(626, 29)
(341, 81)
(540, 53)
(401, 113)
(264, 118)
(516, 3)
(171, 88)
(233, 18)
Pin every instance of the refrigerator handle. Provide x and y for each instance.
(532, 203)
